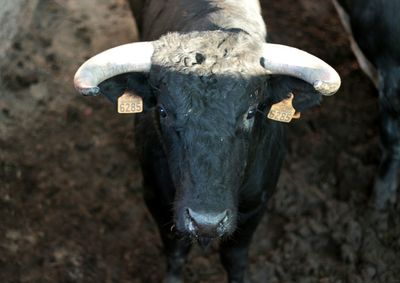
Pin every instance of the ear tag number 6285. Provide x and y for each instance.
(130, 103)
(283, 111)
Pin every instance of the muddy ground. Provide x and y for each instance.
(70, 187)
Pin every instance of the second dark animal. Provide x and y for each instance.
(374, 29)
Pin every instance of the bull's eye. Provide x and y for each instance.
(163, 113)
(251, 113)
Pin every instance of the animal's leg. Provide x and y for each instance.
(175, 249)
(234, 252)
(387, 179)
(386, 182)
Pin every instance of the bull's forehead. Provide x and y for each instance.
(209, 101)
(209, 53)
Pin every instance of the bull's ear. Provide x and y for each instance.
(136, 83)
(279, 88)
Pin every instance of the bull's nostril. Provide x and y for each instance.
(191, 227)
(223, 224)
(190, 223)
(226, 217)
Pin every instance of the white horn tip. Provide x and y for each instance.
(327, 88)
(84, 84)
(88, 91)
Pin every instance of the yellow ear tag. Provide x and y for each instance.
(130, 103)
(283, 111)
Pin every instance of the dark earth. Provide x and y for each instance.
(70, 186)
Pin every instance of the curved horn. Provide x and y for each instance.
(285, 60)
(132, 57)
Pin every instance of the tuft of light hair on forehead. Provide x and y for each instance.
(223, 53)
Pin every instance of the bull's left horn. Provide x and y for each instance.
(285, 60)
(132, 57)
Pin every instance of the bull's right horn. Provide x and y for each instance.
(132, 57)
(286, 60)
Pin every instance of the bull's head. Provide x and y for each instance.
(208, 88)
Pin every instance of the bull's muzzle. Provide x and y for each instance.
(208, 225)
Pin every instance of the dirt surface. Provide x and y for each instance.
(70, 187)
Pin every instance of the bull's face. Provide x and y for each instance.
(206, 126)
(209, 88)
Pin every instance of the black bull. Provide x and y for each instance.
(375, 29)
(210, 158)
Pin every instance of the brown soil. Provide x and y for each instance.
(70, 187)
